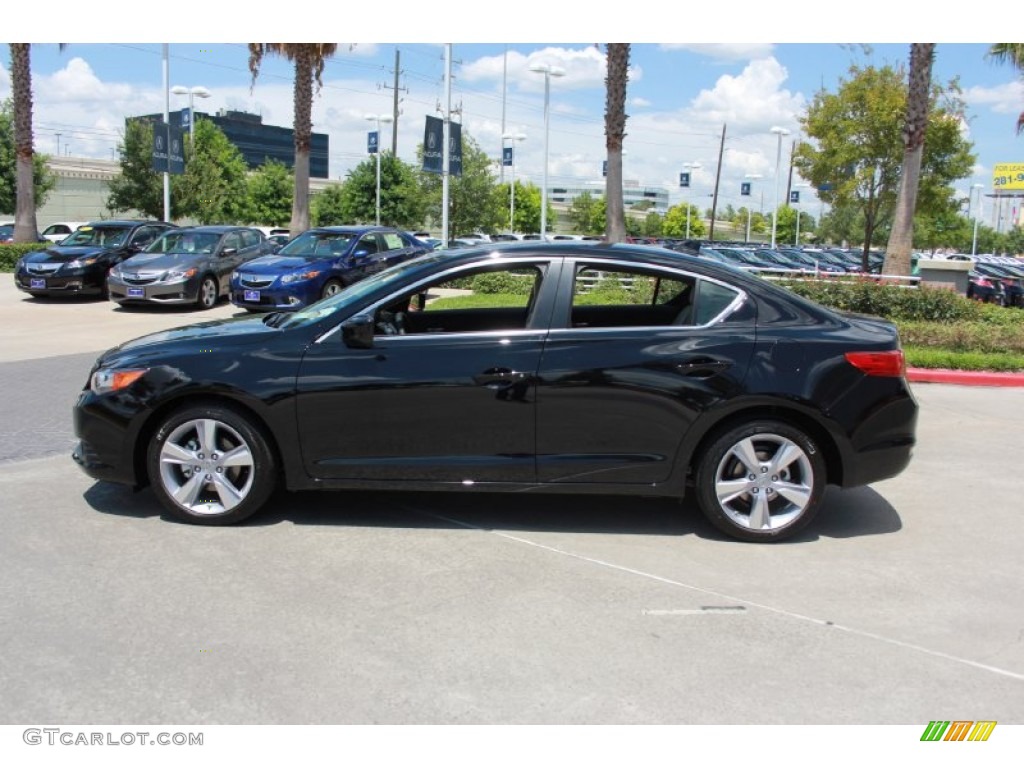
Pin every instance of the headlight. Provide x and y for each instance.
(112, 379)
(180, 274)
(297, 276)
(79, 263)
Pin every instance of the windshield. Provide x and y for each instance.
(355, 292)
(318, 244)
(105, 237)
(185, 242)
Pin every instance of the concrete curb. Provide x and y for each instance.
(966, 378)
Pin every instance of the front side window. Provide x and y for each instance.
(478, 300)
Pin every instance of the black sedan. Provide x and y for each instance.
(79, 265)
(576, 367)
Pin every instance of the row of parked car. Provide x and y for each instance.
(756, 257)
(154, 262)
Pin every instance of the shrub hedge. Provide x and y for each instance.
(11, 252)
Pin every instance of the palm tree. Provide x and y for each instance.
(309, 60)
(21, 86)
(1010, 53)
(901, 237)
(614, 132)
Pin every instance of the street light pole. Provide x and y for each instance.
(513, 137)
(548, 71)
(378, 119)
(974, 241)
(750, 176)
(780, 132)
(692, 167)
(199, 91)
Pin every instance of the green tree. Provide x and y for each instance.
(43, 180)
(270, 188)
(674, 224)
(401, 199)
(474, 203)
(327, 206)
(1010, 53)
(582, 213)
(652, 225)
(616, 79)
(527, 206)
(137, 187)
(856, 156)
(901, 238)
(309, 60)
(213, 189)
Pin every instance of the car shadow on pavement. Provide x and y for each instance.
(844, 514)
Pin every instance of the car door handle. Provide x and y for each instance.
(702, 367)
(497, 378)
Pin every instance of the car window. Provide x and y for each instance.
(393, 241)
(232, 240)
(317, 244)
(249, 238)
(106, 237)
(368, 243)
(617, 297)
(712, 300)
(473, 301)
(185, 241)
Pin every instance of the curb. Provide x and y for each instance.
(966, 378)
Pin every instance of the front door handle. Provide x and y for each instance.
(702, 367)
(498, 378)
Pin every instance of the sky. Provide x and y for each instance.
(680, 94)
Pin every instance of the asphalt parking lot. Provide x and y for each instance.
(901, 604)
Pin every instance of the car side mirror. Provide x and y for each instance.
(357, 332)
(361, 252)
(229, 252)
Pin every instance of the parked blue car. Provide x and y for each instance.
(319, 263)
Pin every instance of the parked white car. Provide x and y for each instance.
(61, 229)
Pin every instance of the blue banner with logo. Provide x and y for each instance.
(684, 179)
(168, 154)
(604, 168)
(433, 147)
(794, 196)
(506, 155)
(372, 139)
(745, 189)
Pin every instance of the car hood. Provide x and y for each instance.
(160, 262)
(241, 330)
(277, 265)
(63, 254)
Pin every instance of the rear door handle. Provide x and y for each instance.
(498, 378)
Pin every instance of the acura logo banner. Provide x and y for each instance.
(433, 145)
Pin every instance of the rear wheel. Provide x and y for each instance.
(210, 465)
(761, 481)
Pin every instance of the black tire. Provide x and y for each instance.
(198, 439)
(208, 293)
(330, 288)
(787, 469)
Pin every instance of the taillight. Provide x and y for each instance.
(888, 363)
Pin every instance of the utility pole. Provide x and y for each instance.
(718, 177)
(395, 111)
(789, 181)
(446, 140)
(504, 91)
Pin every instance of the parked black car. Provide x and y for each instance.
(191, 265)
(602, 369)
(79, 265)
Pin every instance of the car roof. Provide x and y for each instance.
(353, 229)
(217, 229)
(123, 223)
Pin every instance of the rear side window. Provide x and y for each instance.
(620, 297)
(712, 300)
(392, 241)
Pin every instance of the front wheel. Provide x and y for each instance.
(210, 465)
(207, 295)
(761, 481)
(331, 287)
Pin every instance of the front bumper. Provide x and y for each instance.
(270, 299)
(57, 284)
(177, 292)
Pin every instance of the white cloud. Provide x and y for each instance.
(1007, 99)
(584, 68)
(639, 102)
